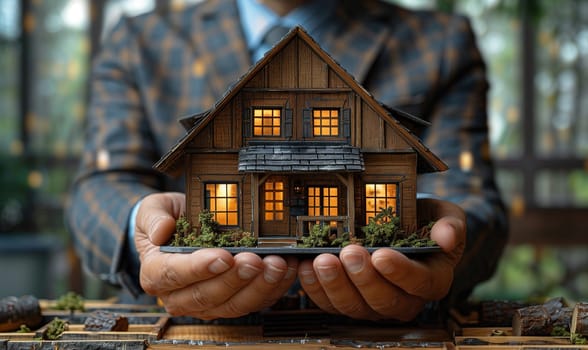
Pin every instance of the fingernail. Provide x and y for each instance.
(271, 274)
(247, 272)
(327, 274)
(353, 262)
(218, 266)
(384, 265)
(307, 277)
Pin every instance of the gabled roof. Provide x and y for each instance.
(427, 161)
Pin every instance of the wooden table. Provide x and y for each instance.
(151, 328)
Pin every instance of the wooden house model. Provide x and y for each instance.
(297, 140)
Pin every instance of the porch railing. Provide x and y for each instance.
(338, 224)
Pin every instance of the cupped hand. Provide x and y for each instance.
(208, 283)
(387, 284)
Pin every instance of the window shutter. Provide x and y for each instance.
(307, 122)
(247, 122)
(346, 123)
(287, 128)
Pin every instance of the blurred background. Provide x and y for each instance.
(537, 52)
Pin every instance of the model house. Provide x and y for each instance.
(297, 140)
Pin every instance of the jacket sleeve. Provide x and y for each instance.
(459, 136)
(116, 166)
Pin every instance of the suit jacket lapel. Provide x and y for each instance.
(355, 43)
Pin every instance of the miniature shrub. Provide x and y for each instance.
(185, 235)
(71, 302)
(317, 237)
(208, 235)
(382, 229)
(55, 328)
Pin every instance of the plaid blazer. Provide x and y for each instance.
(157, 67)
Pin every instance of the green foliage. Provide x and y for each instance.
(578, 339)
(345, 239)
(55, 328)
(317, 237)
(185, 235)
(320, 236)
(208, 235)
(559, 331)
(236, 238)
(382, 229)
(23, 329)
(70, 301)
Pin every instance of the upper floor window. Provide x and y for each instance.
(325, 122)
(267, 121)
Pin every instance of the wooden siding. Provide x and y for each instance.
(217, 167)
(392, 167)
(297, 66)
(298, 78)
(373, 133)
(223, 128)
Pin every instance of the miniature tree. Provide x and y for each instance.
(71, 302)
(382, 229)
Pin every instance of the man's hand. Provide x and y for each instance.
(387, 284)
(208, 283)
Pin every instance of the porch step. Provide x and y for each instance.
(276, 242)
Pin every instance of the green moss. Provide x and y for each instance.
(55, 328)
(70, 301)
(578, 339)
(23, 329)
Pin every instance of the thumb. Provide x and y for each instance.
(157, 215)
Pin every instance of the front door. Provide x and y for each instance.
(273, 214)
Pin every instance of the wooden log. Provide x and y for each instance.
(498, 313)
(562, 318)
(105, 321)
(560, 313)
(15, 311)
(579, 322)
(532, 320)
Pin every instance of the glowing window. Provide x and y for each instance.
(325, 122)
(223, 201)
(274, 200)
(323, 201)
(378, 197)
(266, 121)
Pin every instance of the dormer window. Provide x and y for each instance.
(325, 122)
(267, 121)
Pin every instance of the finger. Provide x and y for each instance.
(206, 295)
(342, 294)
(164, 272)
(450, 232)
(310, 283)
(386, 299)
(265, 290)
(157, 215)
(429, 279)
